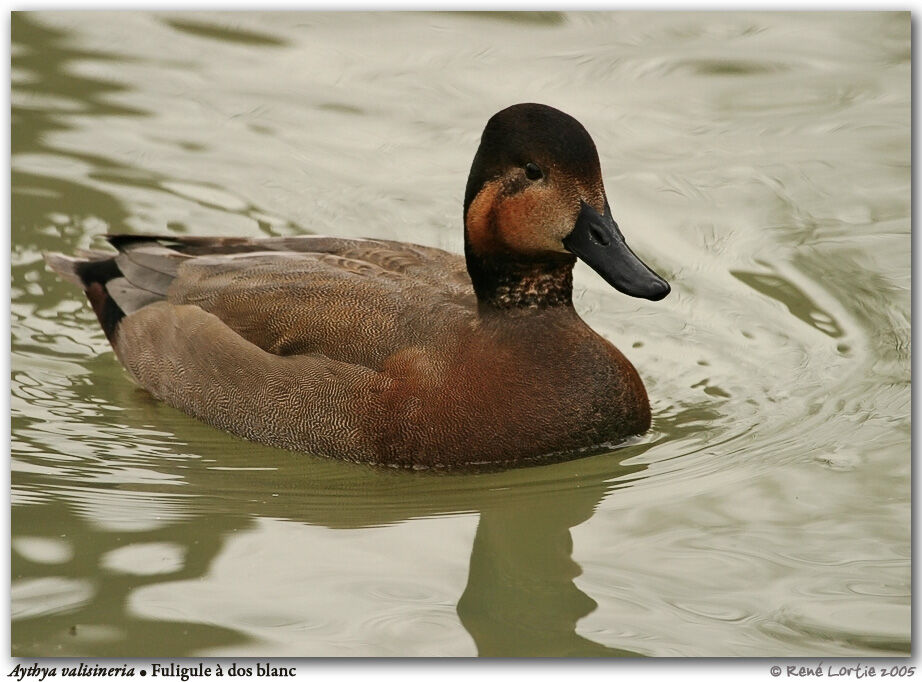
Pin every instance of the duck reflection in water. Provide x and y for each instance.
(520, 599)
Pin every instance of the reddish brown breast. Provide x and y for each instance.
(515, 388)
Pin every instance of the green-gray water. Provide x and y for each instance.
(761, 162)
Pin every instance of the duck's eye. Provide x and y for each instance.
(532, 172)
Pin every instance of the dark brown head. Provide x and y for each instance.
(534, 200)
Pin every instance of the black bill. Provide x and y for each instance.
(597, 240)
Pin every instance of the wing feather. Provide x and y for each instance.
(354, 300)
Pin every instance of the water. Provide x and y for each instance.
(760, 162)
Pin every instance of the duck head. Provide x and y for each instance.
(534, 202)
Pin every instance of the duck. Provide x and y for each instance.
(390, 353)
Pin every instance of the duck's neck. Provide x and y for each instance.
(509, 283)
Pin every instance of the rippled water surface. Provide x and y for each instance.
(761, 162)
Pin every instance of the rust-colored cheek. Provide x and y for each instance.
(481, 221)
(529, 222)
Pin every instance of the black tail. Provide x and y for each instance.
(93, 274)
(119, 284)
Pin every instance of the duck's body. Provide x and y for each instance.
(377, 351)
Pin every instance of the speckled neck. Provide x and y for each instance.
(508, 283)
